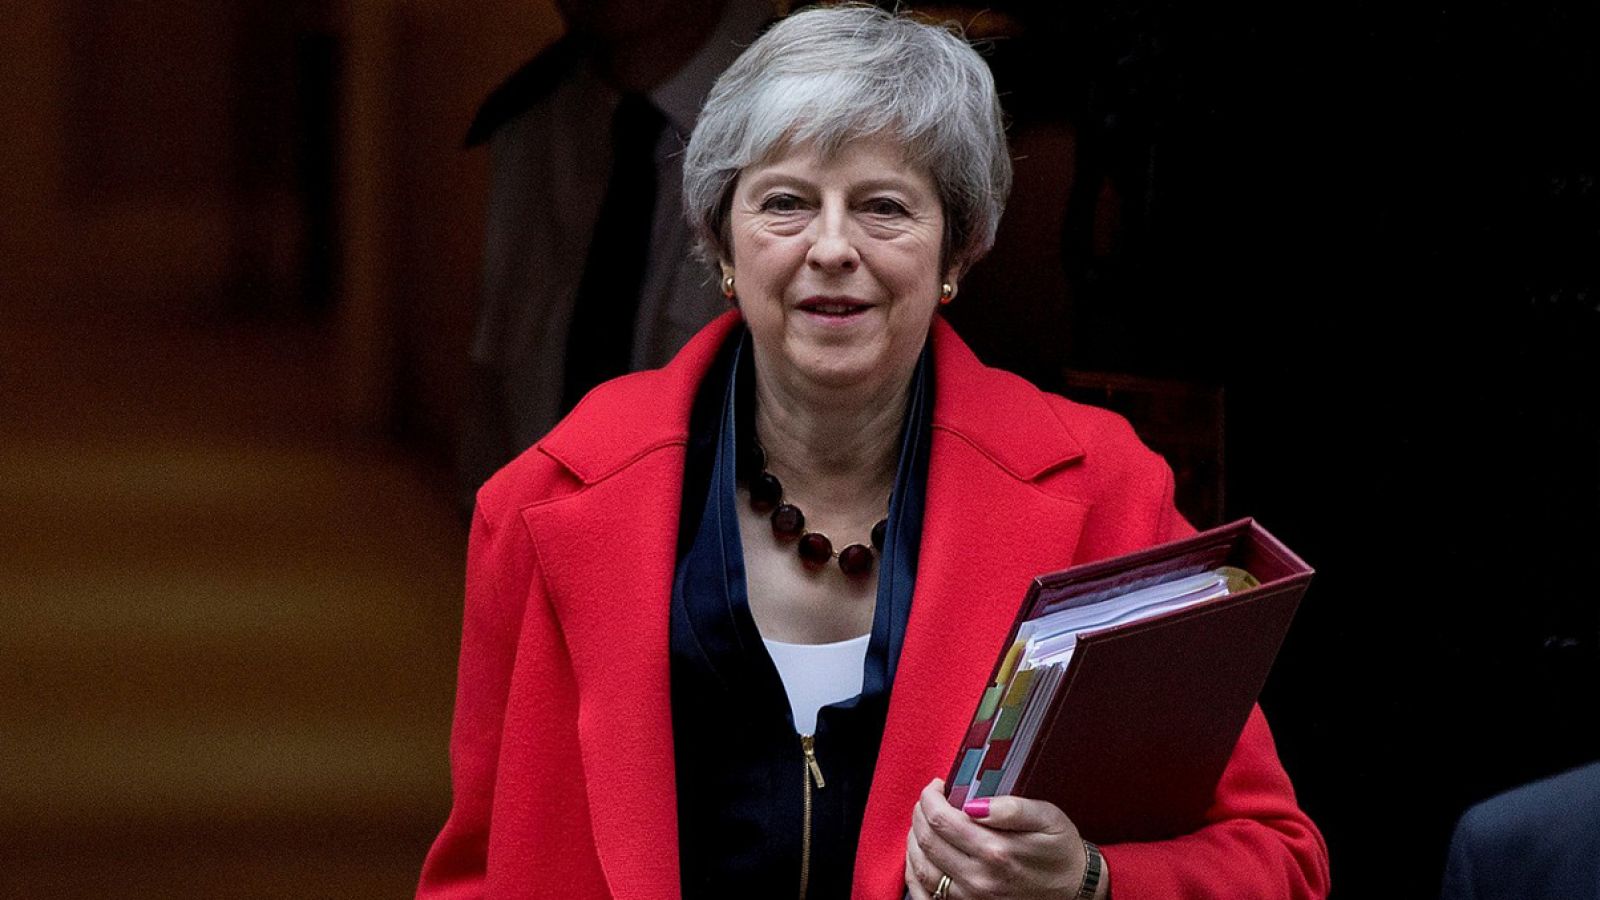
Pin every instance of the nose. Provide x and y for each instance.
(833, 245)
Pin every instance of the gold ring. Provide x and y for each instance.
(943, 890)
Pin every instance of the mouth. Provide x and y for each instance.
(834, 307)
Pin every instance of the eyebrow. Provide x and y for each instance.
(880, 184)
(872, 184)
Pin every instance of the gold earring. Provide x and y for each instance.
(727, 286)
(947, 292)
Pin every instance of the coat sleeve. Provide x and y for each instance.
(1257, 842)
(455, 866)
(509, 634)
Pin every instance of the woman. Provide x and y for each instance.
(671, 683)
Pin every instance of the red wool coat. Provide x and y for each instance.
(562, 752)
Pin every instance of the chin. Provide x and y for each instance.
(843, 367)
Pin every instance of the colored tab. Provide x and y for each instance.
(1012, 655)
(991, 699)
(969, 766)
(1017, 694)
(978, 733)
(1006, 725)
(995, 757)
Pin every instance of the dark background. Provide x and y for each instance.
(238, 275)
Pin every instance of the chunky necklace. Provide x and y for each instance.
(789, 523)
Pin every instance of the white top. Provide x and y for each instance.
(815, 675)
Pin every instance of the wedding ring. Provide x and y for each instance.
(943, 890)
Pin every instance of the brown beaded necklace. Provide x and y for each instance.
(789, 523)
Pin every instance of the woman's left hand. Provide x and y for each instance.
(1023, 849)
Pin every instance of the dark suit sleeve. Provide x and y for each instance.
(1458, 876)
(1540, 841)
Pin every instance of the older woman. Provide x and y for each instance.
(727, 623)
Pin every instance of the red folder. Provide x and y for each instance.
(1148, 712)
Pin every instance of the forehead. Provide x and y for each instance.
(872, 159)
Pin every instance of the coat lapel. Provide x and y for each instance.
(610, 578)
(988, 530)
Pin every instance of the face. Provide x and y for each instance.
(836, 265)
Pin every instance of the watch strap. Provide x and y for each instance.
(1093, 870)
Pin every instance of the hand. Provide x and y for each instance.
(1022, 850)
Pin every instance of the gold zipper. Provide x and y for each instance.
(811, 773)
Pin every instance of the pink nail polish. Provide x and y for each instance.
(978, 808)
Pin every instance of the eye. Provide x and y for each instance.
(780, 203)
(885, 206)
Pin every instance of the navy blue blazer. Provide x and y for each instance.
(1540, 841)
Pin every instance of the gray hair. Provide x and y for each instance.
(826, 76)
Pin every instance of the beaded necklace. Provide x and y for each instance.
(789, 523)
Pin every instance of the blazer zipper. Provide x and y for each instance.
(812, 773)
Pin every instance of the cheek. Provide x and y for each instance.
(918, 275)
(766, 260)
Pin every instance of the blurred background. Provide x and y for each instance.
(1340, 266)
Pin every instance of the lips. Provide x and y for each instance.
(834, 306)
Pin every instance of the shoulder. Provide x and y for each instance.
(598, 439)
(1565, 804)
(1538, 840)
(1079, 453)
(525, 87)
(614, 426)
(1035, 434)
(1129, 488)
(1109, 441)
(610, 429)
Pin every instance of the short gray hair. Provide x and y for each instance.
(826, 76)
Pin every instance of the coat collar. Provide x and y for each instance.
(624, 420)
(1002, 416)
(987, 530)
(979, 405)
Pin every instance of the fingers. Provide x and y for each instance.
(951, 826)
(1008, 846)
(921, 877)
(947, 842)
(1020, 814)
(1044, 839)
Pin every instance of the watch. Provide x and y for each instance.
(1093, 870)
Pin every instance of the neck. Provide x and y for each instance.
(833, 449)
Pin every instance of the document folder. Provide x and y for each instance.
(1127, 724)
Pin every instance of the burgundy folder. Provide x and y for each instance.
(1148, 712)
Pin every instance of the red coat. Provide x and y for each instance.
(562, 752)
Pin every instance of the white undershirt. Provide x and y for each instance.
(815, 675)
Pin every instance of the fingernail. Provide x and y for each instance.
(978, 808)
